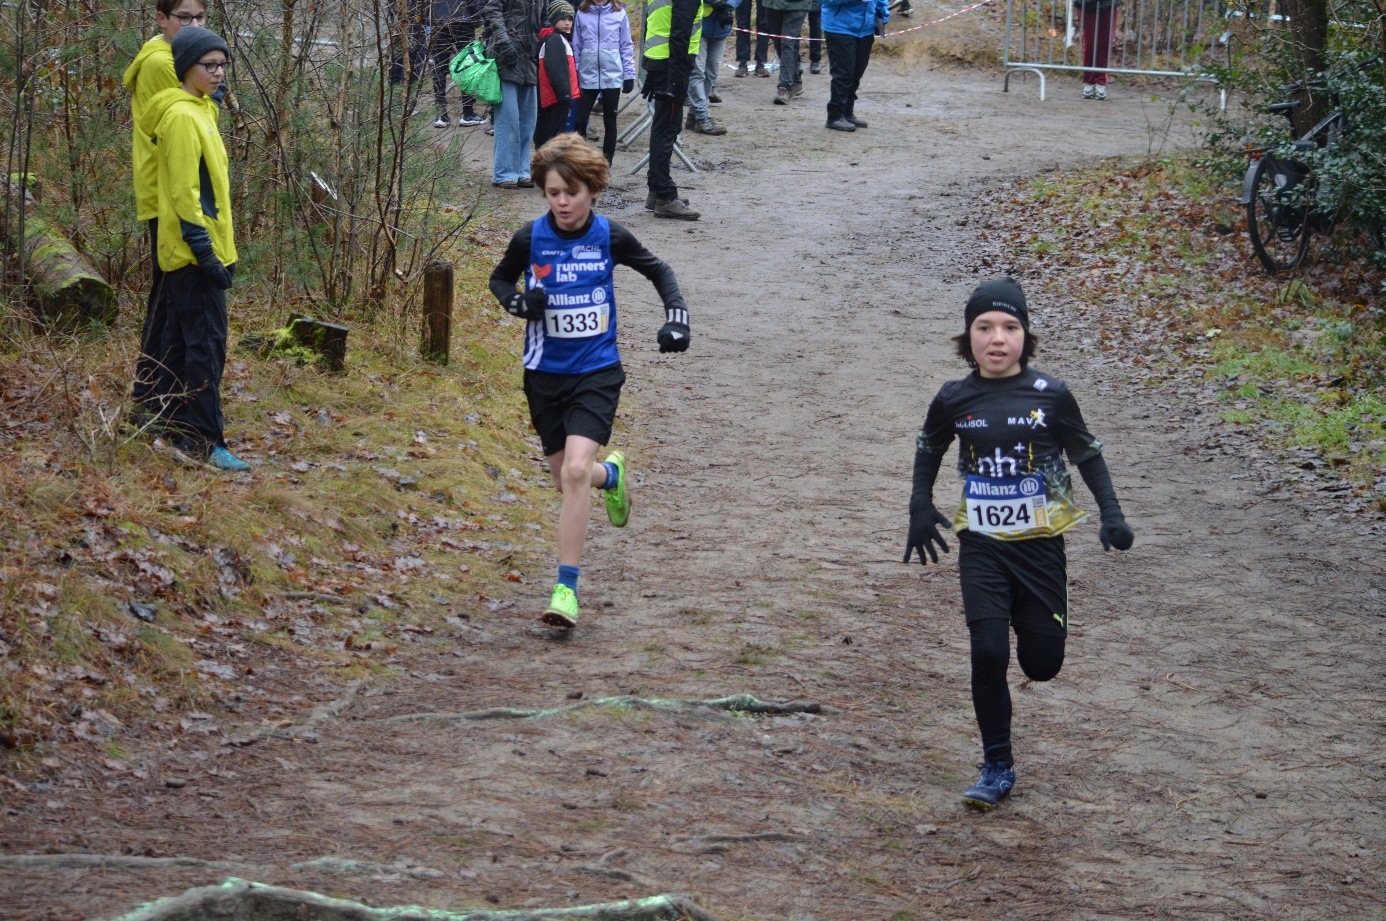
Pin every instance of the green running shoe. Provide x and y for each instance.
(563, 608)
(618, 500)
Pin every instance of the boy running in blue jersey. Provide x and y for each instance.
(573, 372)
(1013, 425)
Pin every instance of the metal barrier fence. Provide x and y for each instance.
(1159, 38)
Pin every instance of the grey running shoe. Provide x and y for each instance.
(741, 70)
(841, 124)
(781, 95)
(761, 71)
(859, 122)
(709, 126)
(650, 202)
(796, 90)
(713, 99)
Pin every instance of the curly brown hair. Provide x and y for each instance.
(574, 160)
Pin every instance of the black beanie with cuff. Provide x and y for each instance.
(1001, 294)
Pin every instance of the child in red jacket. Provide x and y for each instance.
(558, 80)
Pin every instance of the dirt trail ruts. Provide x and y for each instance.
(1211, 748)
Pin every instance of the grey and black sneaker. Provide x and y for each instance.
(797, 89)
(676, 208)
(859, 122)
(815, 67)
(995, 784)
(442, 121)
(761, 71)
(781, 95)
(713, 99)
(841, 124)
(741, 70)
(709, 126)
(470, 120)
(651, 201)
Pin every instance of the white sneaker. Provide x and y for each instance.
(1089, 90)
(469, 121)
(1099, 93)
(442, 121)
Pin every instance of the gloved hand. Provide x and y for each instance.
(674, 337)
(628, 86)
(505, 55)
(723, 11)
(217, 274)
(924, 531)
(1116, 533)
(675, 89)
(527, 306)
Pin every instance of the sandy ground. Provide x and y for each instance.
(1212, 748)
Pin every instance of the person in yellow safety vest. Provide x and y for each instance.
(673, 29)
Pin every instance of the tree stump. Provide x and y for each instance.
(437, 306)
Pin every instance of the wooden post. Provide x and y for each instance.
(437, 305)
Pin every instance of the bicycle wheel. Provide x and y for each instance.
(1277, 213)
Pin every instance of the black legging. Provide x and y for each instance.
(1040, 657)
(611, 101)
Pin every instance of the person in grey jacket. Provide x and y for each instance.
(606, 65)
(512, 37)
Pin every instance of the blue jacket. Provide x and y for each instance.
(714, 29)
(854, 17)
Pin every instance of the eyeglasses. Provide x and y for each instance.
(188, 19)
(213, 66)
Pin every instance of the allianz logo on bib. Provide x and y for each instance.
(983, 488)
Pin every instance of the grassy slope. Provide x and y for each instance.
(327, 556)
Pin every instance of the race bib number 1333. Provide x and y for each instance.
(577, 323)
(1006, 505)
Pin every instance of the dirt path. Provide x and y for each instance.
(1211, 749)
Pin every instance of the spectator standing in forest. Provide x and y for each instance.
(850, 29)
(718, 16)
(197, 248)
(606, 65)
(672, 36)
(512, 34)
(743, 39)
(558, 79)
(786, 17)
(1098, 22)
(148, 75)
(453, 28)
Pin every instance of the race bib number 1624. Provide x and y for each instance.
(1007, 505)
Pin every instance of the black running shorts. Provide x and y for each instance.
(573, 404)
(1023, 581)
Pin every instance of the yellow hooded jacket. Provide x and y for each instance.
(150, 74)
(193, 178)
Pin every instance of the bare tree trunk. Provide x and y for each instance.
(1308, 37)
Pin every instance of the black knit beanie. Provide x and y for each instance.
(1002, 294)
(190, 44)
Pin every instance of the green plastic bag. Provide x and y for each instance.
(475, 74)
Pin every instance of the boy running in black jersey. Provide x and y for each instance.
(1013, 425)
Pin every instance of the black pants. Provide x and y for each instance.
(145, 391)
(848, 56)
(743, 39)
(1011, 584)
(551, 122)
(664, 131)
(194, 356)
(445, 42)
(611, 101)
(815, 21)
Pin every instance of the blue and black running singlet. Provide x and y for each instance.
(578, 332)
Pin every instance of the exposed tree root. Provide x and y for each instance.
(241, 900)
(317, 717)
(739, 703)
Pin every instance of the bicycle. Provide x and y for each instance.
(1281, 194)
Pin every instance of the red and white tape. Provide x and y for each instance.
(922, 25)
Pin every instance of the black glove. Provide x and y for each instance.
(1116, 533)
(628, 86)
(217, 274)
(673, 337)
(505, 55)
(527, 306)
(675, 89)
(924, 533)
(726, 17)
